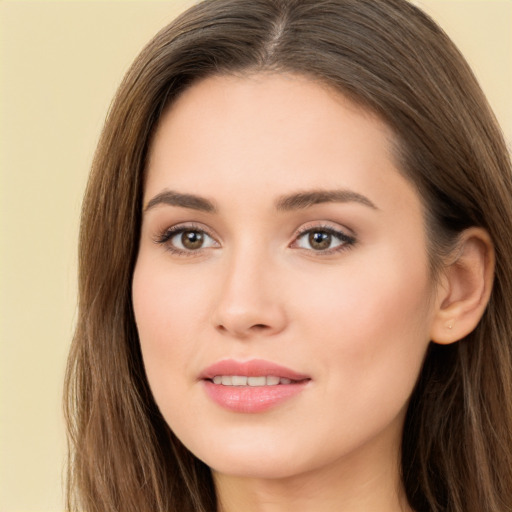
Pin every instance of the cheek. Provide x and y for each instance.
(366, 304)
(169, 313)
(169, 298)
(370, 337)
(372, 324)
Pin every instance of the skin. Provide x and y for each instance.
(356, 320)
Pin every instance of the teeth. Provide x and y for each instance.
(238, 380)
(257, 381)
(242, 380)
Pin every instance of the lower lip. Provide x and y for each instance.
(248, 399)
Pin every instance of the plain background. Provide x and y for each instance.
(61, 62)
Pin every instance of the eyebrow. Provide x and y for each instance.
(172, 198)
(302, 200)
(297, 201)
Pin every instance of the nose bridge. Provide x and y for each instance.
(248, 302)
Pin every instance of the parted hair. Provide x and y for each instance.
(392, 59)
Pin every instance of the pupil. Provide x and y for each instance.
(192, 239)
(320, 240)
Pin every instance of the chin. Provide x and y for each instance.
(257, 467)
(252, 457)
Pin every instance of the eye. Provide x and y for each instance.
(323, 239)
(191, 240)
(186, 239)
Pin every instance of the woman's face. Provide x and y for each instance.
(280, 245)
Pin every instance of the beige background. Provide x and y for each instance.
(60, 65)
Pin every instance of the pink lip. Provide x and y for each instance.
(248, 399)
(252, 368)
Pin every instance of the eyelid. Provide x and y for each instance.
(327, 226)
(348, 240)
(164, 237)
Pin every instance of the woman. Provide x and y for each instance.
(295, 278)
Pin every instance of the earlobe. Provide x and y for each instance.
(465, 287)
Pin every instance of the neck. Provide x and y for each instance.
(344, 486)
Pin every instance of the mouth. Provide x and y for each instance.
(245, 380)
(253, 386)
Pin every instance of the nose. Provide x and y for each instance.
(250, 302)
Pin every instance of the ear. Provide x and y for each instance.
(465, 287)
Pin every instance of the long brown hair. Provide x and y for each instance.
(395, 61)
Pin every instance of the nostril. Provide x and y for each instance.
(253, 328)
(242, 321)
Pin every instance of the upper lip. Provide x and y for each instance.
(251, 368)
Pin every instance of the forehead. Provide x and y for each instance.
(263, 102)
(270, 132)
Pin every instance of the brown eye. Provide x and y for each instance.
(323, 240)
(186, 240)
(192, 240)
(319, 240)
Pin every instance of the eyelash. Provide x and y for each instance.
(165, 237)
(346, 241)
